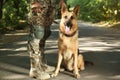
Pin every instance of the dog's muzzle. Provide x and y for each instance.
(68, 26)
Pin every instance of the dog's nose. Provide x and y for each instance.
(68, 23)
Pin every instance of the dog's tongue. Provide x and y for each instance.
(67, 29)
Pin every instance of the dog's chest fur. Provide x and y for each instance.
(67, 54)
(69, 43)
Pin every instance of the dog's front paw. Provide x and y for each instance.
(77, 75)
(82, 68)
(54, 75)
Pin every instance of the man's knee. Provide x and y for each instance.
(38, 32)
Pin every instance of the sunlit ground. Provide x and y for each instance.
(95, 44)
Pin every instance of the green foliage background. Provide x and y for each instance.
(14, 11)
(98, 10)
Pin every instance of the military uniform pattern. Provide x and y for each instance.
(40, 23)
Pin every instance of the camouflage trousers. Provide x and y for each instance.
(36, 45)
(40, 19)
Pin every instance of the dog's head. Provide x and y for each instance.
(69, 24)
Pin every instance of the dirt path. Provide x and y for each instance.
(99, 45)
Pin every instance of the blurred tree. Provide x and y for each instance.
(97, 10)
(1, 6)
(12, 11)
(16, 6)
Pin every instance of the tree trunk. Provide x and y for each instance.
(1, 6)
(16, 6)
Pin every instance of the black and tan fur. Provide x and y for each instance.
(68, 42)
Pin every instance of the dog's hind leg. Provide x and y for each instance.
(81, 62)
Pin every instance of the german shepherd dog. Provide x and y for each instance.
(68, 42)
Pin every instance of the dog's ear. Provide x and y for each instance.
(76, 10)
(63, 7)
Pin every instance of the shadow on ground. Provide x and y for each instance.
(99, 45)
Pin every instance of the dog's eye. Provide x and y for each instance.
(65, 17)
(72, 17)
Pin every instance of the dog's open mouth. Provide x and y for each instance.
(68, 27)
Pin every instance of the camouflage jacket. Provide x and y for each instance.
(41, 12)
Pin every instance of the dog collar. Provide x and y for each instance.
(69, 35)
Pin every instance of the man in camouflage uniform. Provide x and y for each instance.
(40, 19)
